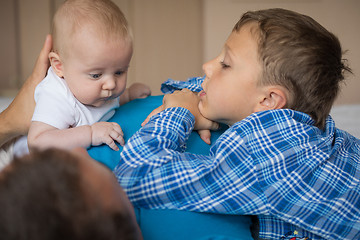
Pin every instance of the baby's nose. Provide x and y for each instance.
(109, 84)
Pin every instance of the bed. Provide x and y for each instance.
(174, 224)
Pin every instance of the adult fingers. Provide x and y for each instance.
(42, 62)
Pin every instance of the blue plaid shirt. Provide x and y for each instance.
(274, 164)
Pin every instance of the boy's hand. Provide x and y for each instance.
(108, 133)
(205, 135)
(189, 100)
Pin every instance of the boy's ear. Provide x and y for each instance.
(56, 64)
(275, 98)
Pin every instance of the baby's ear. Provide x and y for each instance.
(56, 64)
(275, 98)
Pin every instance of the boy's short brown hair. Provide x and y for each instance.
(299, 54)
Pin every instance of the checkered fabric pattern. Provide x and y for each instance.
(275, 164)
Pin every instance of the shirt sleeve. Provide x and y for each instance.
(193, 84)
(155, 171)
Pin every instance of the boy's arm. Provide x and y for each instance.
(136, 90)
(155, 171)
(42, 136)
(189, 100)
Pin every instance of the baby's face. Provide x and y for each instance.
(230, 89)
(95, 68)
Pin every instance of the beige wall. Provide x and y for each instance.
(173, 38)
(168, 39)
(340, 17)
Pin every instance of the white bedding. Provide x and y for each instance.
(4, 102)
(347, 117)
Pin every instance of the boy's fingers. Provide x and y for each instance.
(205, 136)
(206, 124)
(214, 126)
(154, 112)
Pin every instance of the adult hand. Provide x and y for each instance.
(15, 120)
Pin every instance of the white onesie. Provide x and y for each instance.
(57, 106)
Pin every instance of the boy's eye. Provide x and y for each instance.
(224, 65)
(95, 76)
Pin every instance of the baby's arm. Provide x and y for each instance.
(42, 136)
(136, 90)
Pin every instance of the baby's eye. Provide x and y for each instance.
(118, 73)
(95, 75)
(224, 65)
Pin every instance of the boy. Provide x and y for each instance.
(281, 159)
(89, 63)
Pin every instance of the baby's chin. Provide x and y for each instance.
(97, 103)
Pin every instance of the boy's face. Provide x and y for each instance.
(231, 90)
(95, 69)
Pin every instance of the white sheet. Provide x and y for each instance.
(347, 117)
(4, 102)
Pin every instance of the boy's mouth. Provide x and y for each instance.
(202, 93)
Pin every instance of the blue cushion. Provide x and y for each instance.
(130, 116)
(172, 224)
(180, 225)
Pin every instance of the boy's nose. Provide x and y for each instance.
(207, 68)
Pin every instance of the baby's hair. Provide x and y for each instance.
(299, 54)
(103, 15)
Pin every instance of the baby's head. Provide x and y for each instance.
(92, 49)
(297, 53)
(102, 17)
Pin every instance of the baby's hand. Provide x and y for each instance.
(139, 90)
(108, 133)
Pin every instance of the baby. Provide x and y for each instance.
(92, 49)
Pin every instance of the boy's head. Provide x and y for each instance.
(299, 62)
(56, 194)
(92, 49)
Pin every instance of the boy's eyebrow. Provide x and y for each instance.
(229, 52)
